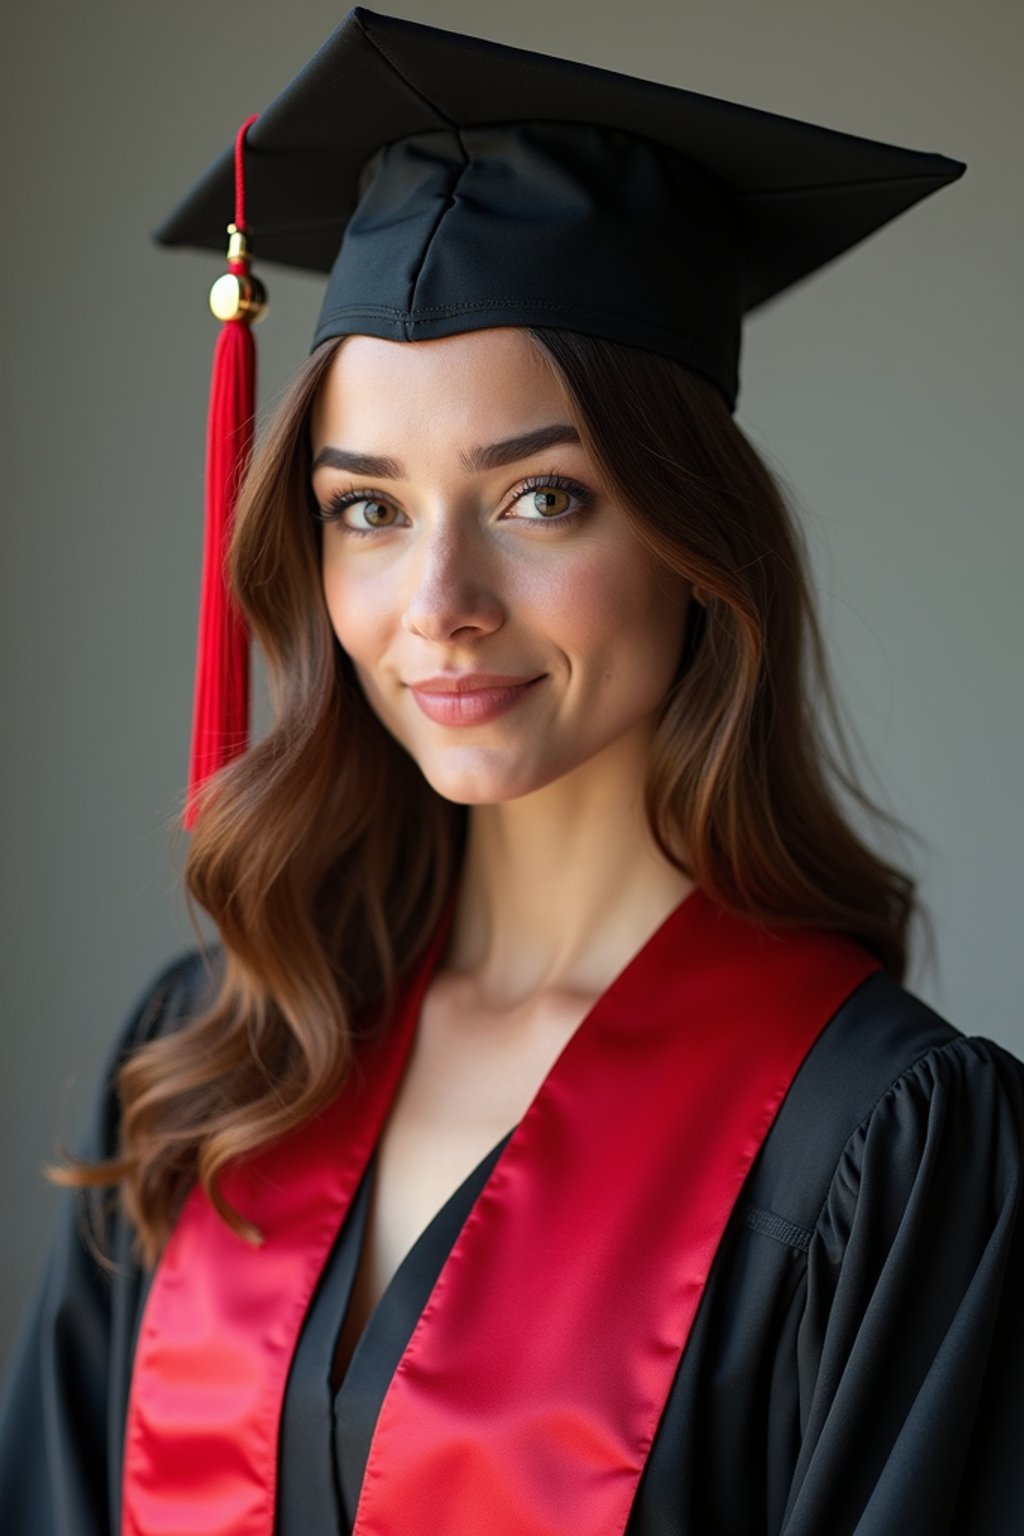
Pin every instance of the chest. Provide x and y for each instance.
(471, 1076)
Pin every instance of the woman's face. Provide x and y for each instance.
(506, 624)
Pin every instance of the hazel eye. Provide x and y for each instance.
(359, 512)
(551, 499)
(369, 513)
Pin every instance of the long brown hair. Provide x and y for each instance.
(325, 858)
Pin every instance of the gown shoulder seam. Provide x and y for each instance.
(935, 1049)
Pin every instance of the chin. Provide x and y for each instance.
(479, 788)
(485, 782)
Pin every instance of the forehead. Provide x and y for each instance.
(478, 385)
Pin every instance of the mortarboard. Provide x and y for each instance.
(448, 184)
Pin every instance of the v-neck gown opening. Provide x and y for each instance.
(326, 1434)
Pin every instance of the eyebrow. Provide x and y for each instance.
(491, 456)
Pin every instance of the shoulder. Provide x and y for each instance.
(184, 987)
(170, 998)
(887, 1074)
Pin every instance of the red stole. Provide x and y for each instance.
(530, 1392)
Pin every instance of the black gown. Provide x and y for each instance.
(856, 1366)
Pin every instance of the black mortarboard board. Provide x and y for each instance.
(467, 184)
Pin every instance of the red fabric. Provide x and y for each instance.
(220, 714)
(599, 1222)
(222, 1318)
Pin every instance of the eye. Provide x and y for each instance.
(551, 499)
(359, 512)
(367, 512)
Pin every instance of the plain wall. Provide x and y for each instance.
(886, 392)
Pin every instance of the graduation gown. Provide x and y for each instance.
(856, 1364)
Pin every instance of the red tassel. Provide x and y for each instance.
(220, 719)
(220, 712)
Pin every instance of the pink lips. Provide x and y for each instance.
(469, 698)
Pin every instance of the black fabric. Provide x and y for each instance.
(318, 1491)
(383, 1340)
(309, 1497)
(450, 184)
(65, 1392)
(523, 224)
(856, 1367)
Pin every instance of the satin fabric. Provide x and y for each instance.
(675, 1076)
(222, 1318)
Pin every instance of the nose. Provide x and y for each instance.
(453, 588)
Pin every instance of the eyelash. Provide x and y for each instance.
(333, 511)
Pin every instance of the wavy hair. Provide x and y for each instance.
(325, 858)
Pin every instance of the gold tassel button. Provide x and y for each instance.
(238, 295)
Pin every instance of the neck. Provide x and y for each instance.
(561, 887)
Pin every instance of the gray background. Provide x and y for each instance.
(886, 392)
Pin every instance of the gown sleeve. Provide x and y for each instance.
(910, 1350)
(63, 1404)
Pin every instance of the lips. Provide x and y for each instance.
(470, 698)
(469, 682)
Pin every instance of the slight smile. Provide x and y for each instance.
(470, 698)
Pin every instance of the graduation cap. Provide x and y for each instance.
(449, 184)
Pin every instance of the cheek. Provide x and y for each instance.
(582, 595)
(629, 616)
(358, 614)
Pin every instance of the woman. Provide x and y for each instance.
(550, 1146)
